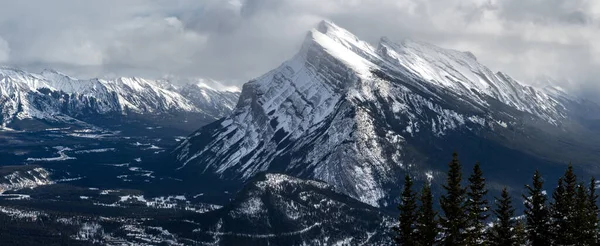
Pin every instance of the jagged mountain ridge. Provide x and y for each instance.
(53, 96)
(358, 117)
(218, 103)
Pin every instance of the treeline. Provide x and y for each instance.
(467, 218)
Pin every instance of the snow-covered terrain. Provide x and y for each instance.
(55, 97)
(17, 177)
(358, 117)
(217, 103)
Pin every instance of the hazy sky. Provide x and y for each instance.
(236, 40)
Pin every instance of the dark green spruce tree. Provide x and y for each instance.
(453, 222)
(426, 219)
(502, 233)
(593, 223)
(477, 208)
(563, 211)
(536, 213)
(586, 214)
(520, 233)
(405, 230)
(581, 213)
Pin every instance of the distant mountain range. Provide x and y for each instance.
(359, 117)
(52, 98)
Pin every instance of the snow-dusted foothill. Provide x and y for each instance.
(283, 210)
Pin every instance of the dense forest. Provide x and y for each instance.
(40, 231)
(569, 217)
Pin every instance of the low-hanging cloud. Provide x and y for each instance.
(236, 40)
(4, 50)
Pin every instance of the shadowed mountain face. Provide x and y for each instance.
(358, 117)
(276, 209)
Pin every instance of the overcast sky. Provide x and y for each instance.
(236, 40)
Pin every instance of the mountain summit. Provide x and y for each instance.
(359, 117)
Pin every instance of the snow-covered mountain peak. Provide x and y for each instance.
(339, 47)
(17, 78)
(214, 85)
(339, 110)
(346, 39)
(48, 72)
(461, 73)
(54, 96)
(421, 47)
(444, 67)
(15, 73)
(330, 62)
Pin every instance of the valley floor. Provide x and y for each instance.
(100, 187)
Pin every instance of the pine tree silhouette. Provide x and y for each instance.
(536, 213)
(427, 227)
(405, 231)
(477, 207)
(563, 211)
(593, 221)
(454, 221)
(502, 232)
(586, 214)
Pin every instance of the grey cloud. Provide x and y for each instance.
(548, 12)
(4, 50)
(236, 40)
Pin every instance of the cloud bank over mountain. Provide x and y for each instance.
(236, 40)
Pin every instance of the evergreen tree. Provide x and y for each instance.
(536, 213)
(426, 221)
(593, 222)
(581, 221)
(502, 232)
(477, 207)
(405, 231)
(453, 223)
(586, 215)
(563, 226)
(520, 233)
(558, 211)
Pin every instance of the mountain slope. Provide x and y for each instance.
(213, 102)
(276, 209)
(359, 117)
(55, 97)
